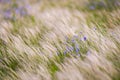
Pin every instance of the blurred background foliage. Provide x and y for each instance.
(14, 9)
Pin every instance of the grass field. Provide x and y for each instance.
(59, 39)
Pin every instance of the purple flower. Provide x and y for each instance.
(73, 40)
(94, 28)
(77, 49)
(92, 7)
(80, 32)
(65, 52)
(117, 3)
(101, 4)
(8, 14)
(70, 48)
(28, 7)
(75, 36)
(21, 11)
(17, 11)
(85, 38)
(5, 1)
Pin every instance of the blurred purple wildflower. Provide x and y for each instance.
(101, 4)
(8, 14)
(5, 1)
(94, 28)
(75, 36)
(28, 7)
(70, 48)
(21, 11)
(65, 52)
(73, 40)
(85, 38)
(17, 11)
(77, 49)
(92, 7)
(80, 32)
(117, 3)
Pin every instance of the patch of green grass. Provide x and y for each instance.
(35, 40)
(116, 77)
(100, 21)
(27, 21)
(8, 63)
(115, 59)
(97, 5)
(8, 67)
(2, 48)
(52, 68)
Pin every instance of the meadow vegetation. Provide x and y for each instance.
(59, 40)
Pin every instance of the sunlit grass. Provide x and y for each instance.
(60, 40)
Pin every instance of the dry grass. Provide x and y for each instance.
(32, 47)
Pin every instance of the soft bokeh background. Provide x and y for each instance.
(59, 40)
